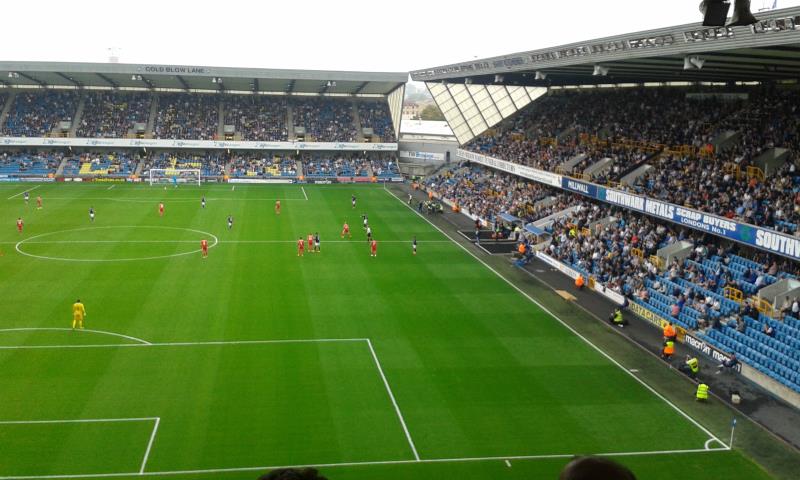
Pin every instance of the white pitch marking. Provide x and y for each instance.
(20, 193)
(58, 242)
(112, 186)
(183, 344)
(711, 440)
(172, 200)
(44, 257)
(86, 330)
(149, 445)
(77, 420)
(508, 464)
(634, 370)
(354, 464)
(394, 402)
(568, 327)
(304, 192)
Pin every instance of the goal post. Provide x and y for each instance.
(174, 175)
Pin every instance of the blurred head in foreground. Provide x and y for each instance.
(293, 474)
(595, 468)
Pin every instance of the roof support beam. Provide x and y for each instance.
(108, 80)
(256, 87)
(361, 88)
(290, 87)
(34, 80)
(148, 83)
(183, 82)
(75, 83)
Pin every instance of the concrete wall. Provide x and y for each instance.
(440, 147)
(778, 389)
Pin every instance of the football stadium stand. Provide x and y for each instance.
(113, 114)
(620, 249)
(376, 115)
(257, 117)
(210, 164)
(255, 165)
(325, 120)
(642, 127)
(38, 163)
(187, 116)
(345, 165)
(40, 114)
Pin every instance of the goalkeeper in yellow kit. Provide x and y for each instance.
(78, 313)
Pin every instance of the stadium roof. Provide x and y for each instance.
(187, 77)
(768, 50)
(426, 127)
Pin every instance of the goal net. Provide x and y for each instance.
(174, 175)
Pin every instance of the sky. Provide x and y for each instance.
(376, 35)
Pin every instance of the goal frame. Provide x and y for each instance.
(168, 173)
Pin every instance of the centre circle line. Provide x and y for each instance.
(45, 257)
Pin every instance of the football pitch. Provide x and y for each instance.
(394, 366)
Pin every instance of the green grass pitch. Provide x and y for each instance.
(216, 368)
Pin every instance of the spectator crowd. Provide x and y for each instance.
(113, 114)
(187, 116)
(37, 114)
(257, 117)
(672, 130)
(325, 119)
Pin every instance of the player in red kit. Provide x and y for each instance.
(300, 246)
(38, 203)
(310, 242)
(20, 224)
(160, 209)
(204, 247)
(346, 230)
(373, 248)
(277, 207)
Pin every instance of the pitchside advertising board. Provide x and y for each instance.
(761, 238)
(200, 144)
(520, 170)
(709, 350)
(656, 319)
(430, 156)
(682, 334)
(572, 273)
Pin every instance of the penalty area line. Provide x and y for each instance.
(150, 444)
(20, 193)
(184, 344)
(567, 326)
(361, 464)
(80, 330)
(394, 402)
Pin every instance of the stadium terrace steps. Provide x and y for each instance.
(221, 118)
(726, 139)
(7, 107)
(76, 120)
(640, 171)
(151, 119)
(570, 164)
(357, 122)
(290, 121)
(60, 169)
(772, 159)
(599, 167)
